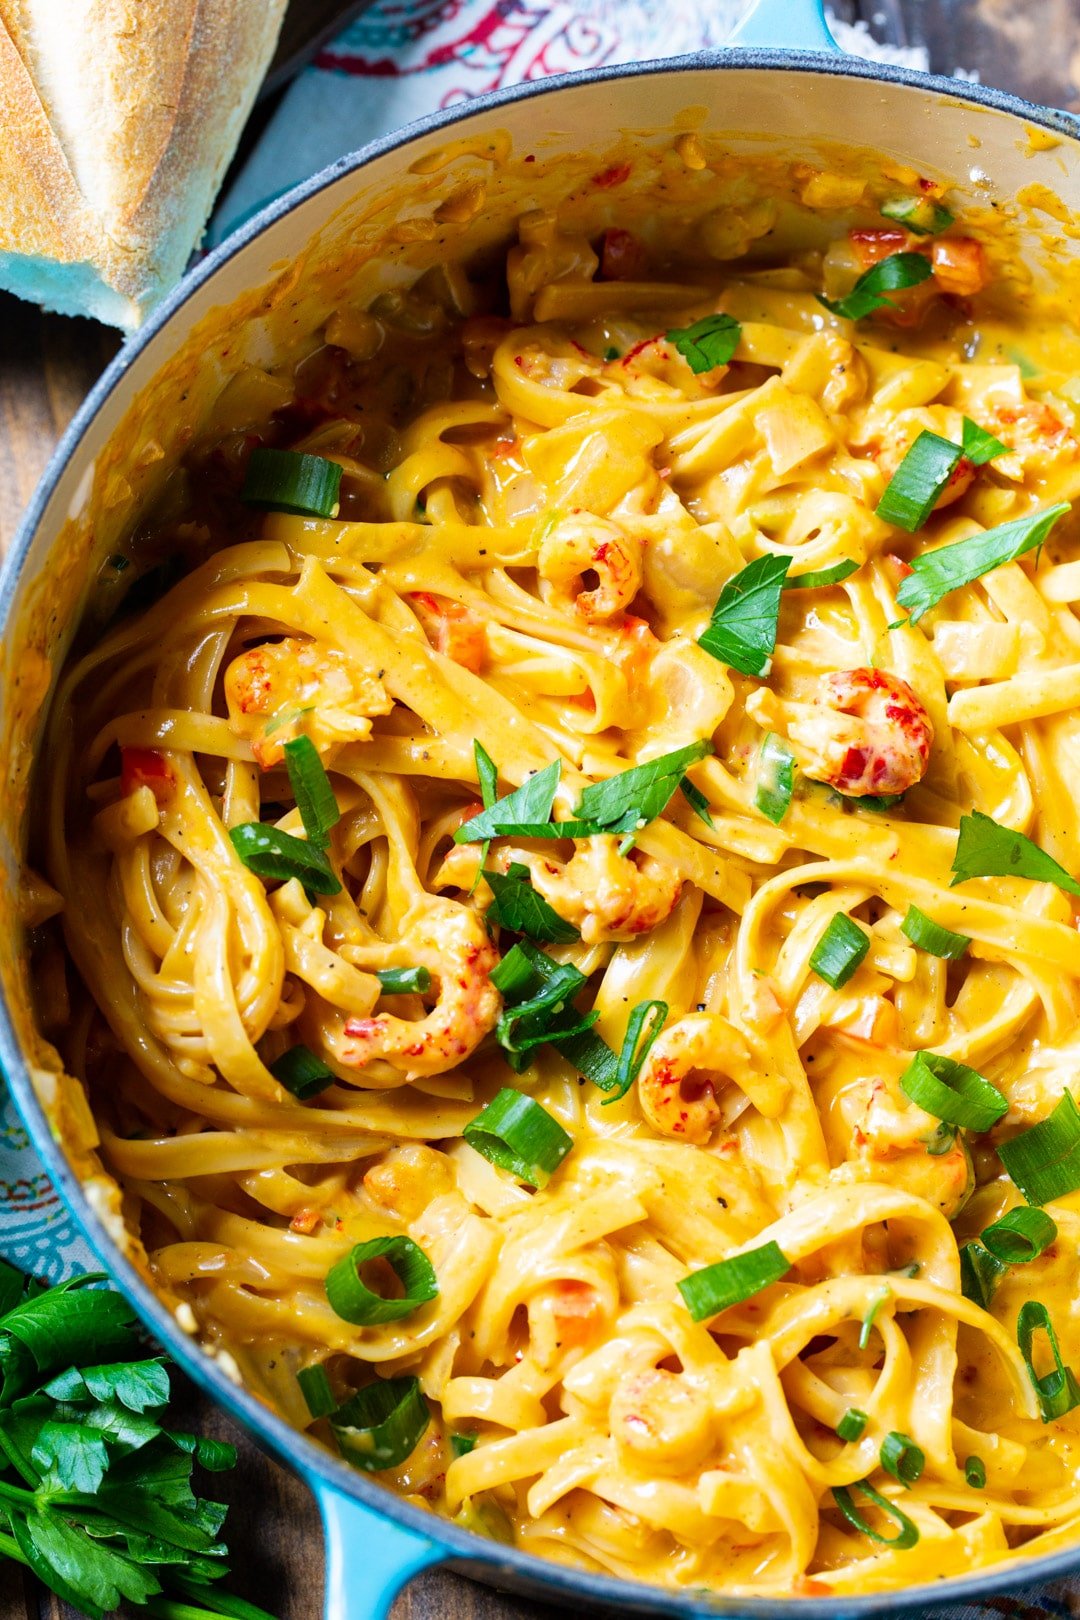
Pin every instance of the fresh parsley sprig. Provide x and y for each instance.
(742, 629)
(621, 803)
(518, 906)
(978, 446)
(487, 774)
(708, 343)
(95, 1489)
(633, 798)
(894, 274)
(935, 573)
(819, 577)
(529, 804)
(698, 802)
(985, 848)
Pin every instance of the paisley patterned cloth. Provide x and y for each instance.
(36, 1232)
(404, 58)
(401, 59)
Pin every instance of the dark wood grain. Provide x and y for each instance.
(47, 364)
(1030, 47)
(47, 367)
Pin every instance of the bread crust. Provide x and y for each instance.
(41, 207)
(120, 117)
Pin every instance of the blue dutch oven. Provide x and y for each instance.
(783, 88)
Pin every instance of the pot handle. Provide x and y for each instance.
(368, 1558)
(788, 25)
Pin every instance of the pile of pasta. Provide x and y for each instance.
(694, 1272)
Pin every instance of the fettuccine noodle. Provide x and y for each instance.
(538, 514)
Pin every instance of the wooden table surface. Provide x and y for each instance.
(47, 365)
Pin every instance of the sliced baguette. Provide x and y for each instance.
(118, 120)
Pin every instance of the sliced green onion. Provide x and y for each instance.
(839, 951)
(486, 1518)
(404, 981)
(548, 982)
(882, 1297)
(935, 573)
(874, 801)
(978, 446)
(1024, 364)
(927, 935)
(852, 1424)
(698, 801)
(975, 1473)
(775, 778)
(311, 787)
(287, 717)
(920, 215)
(636, 1047)
(894, 274)
(301, 1072)
(953, 1092)
(462, 1444)
(941, 1140)
(352, 1299)
(315, 1388)
(271, 853)
(537, 993)
(1057, 1392)
(914, 487)
(527, 1023)
(822, 576)
(565, 1025)
(902, 1458)
(382, 1424)
(709, 342)
(286, 481)
(590, 1056)
(908, 1533)
(512, 975)
(1020, 1236)
(1044, 1162)
(980, 1274)
(729, 1282)
(515, 1133)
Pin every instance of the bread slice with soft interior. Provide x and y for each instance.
(118, 121)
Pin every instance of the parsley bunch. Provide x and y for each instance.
(95, 1490)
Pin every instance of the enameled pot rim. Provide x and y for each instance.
(316, 1466)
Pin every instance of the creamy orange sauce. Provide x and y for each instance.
(541, 503)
